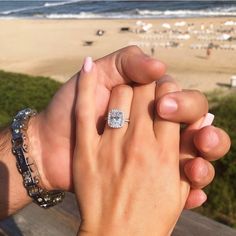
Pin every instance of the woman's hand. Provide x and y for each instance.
(127, 180)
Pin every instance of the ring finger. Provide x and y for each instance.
(118, 112)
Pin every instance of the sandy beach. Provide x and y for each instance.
(56, 48)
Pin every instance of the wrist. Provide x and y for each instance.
(46, 149)
(35, 151)
(121, 229)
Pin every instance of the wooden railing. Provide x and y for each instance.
(63, 220)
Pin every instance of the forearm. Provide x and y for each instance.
(13, 195)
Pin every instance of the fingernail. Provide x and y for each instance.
(168, 106)
(88, 64)
(208, 120)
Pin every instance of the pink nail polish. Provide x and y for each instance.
(208, 120)
(168, 106)
(88, 64)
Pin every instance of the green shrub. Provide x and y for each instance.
(18, 91)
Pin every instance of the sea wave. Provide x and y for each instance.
(82, 15)
(20, 10)
(7, 18)
(86, 15)
(188, 13)
(139, 14)
(69, 9)
(44, 6)
(55, 4)
(148, 12)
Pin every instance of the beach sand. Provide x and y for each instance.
(56, 48)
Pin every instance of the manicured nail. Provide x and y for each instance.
(168, 106)
(88, 64)
(208, 120)
(202, 197)
(212, 138)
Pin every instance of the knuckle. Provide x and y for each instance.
(130, 148)
(136, 155)
(167, 157)
(197, 92)
(133, 148)
(197, 172)
(123, 55)
(122, 91)
(203, 138)
(193, 98)
(200, 96)
(167, 87)
(132, 49)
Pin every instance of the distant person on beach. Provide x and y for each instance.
(209, 50)
(152, 51)
(52, 133)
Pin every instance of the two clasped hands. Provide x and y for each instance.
(136, 179)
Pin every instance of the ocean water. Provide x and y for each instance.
(82, 9)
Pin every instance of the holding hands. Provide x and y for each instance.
(134, 180)
(55, 126)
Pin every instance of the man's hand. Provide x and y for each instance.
(199, 140)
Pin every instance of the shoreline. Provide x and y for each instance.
(107, 18)
(119, 19)
(56, 47)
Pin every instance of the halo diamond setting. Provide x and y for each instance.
(116, 119)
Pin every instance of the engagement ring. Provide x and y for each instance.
(116, 119)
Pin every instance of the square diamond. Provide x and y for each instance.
(116, 119)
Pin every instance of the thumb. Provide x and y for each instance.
(132, 65)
